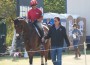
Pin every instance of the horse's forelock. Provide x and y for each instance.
(16, 21)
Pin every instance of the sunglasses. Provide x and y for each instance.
(55, 21)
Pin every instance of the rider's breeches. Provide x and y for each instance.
(39, 27)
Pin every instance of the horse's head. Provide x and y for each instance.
(18, 24)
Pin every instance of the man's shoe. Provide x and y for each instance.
(79, 54)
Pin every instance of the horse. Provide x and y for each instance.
(32, 40)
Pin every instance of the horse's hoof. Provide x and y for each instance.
(42, 64)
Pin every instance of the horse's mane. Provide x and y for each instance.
(16, 21)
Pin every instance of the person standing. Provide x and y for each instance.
(76, 39)
(57, 33)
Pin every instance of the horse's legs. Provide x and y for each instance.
(42, 61)
(31, 60)
(30, 54)
(46, 57)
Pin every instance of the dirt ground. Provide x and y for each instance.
(66, 60)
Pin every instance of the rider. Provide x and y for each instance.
(35, 16)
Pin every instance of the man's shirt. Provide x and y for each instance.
(34, 14)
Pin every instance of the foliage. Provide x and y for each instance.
(7, 11)
(56, 6)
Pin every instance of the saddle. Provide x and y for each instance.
(45, 29)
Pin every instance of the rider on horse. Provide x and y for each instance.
(35, 16)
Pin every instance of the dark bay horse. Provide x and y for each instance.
(32, 40)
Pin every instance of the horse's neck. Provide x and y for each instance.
(28, 28)
(25, 28)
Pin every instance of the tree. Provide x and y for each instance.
(7, 11)
(56, 6)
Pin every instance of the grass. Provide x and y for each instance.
(72, 52)
(8, 60)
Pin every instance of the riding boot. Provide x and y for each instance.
(40, 28)
(41, 31)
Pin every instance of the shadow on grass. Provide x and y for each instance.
(77, 58)
(5, 57)
(17, 59)
(11, 58)
(14, 59)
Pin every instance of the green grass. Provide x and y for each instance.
(88, 51)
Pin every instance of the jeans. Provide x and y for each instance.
(56, 55)
(75, 43)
